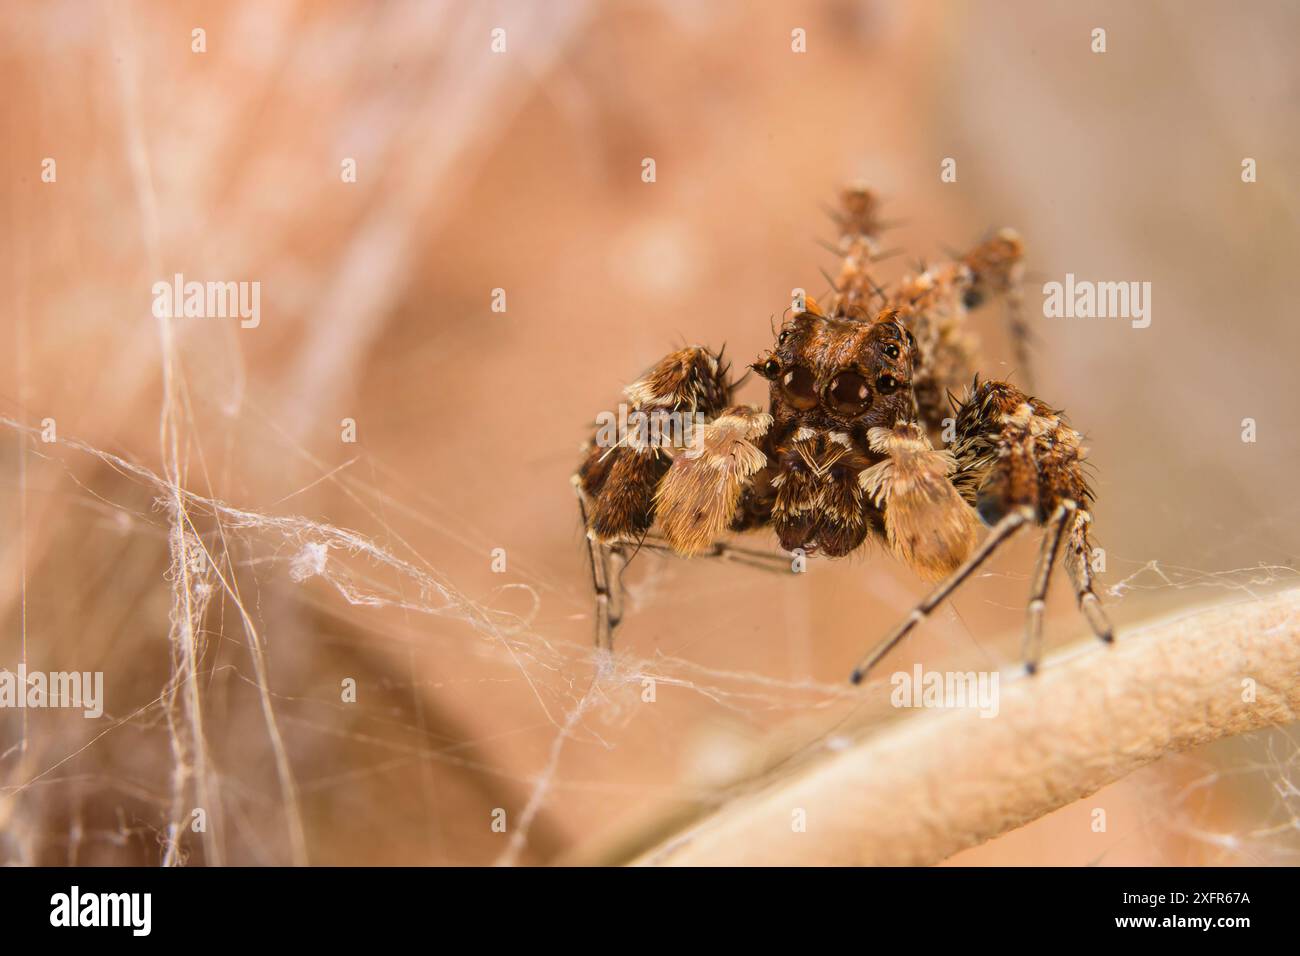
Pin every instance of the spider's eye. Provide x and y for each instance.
(770, 368)
(887, 384)
(891, 350)
(973, 298)
(800, 388)
(780, 339)
(911, 339)
(849, 394)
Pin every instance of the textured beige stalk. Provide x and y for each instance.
(937, 782)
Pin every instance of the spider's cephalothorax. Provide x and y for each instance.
(832, 380)
(843, 453)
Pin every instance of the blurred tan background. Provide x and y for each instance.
(521, 171)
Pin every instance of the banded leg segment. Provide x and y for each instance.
(1079, 566)
(1032, 649)
(724, 551)
(1004, 529)
(607, 587)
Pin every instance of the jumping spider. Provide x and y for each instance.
(844, 452)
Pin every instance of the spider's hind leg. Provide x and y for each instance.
(700, 497)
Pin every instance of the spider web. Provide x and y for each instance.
(234, 616)
(224, 560)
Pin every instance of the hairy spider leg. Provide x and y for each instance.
(1080, 570)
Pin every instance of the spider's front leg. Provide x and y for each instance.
(1018, 462)
(629, 456)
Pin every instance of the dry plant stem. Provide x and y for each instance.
(936, 782)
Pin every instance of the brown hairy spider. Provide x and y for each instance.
(844, 452)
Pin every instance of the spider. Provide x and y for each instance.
(860, 390)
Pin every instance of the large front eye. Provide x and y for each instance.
(849, 394)
(800, 387)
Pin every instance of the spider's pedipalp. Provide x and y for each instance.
(698, 497)
(928, 525)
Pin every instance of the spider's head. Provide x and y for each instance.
(831, 371)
